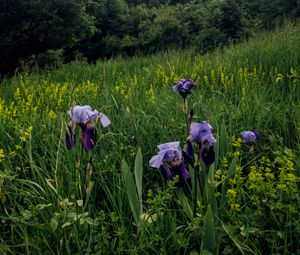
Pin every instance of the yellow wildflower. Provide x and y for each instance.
(236, 154)
(1, 154)
(231, 192)
(51, 114)
(281, 186)
(232, 181)
(235, 207)
(18, 147)
(12, 154)
(237, 143)
(150, 94)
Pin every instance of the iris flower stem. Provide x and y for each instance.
(185, 105)
(87, 183)
(75, 191)
(196, 180)
(79, 187)
(186, 115)
(80, 172)
(196, 168)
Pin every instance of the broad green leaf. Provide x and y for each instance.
(184, 203)
(131, 191)
(89, 188)
(54, 223)
(80, 202)
(223, 141)
(232, 167)
(89, 220)
(138, 172)
(221, 147)
(42, 206)
(210, 183)
(66, 224)
(205, 252)
(148, 217)
(229, 230)
(209, 236)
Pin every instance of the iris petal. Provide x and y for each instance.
(166, 173)
(156, 161)
(168, 146)
(208, 155)
(105, 121)
(89, 137)
(188, 153)
(184, 173)
(82, 114)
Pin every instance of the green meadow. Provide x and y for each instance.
(109, 200)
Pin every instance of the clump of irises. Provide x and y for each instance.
(198, 153)
(86, 119)
(199, 146)
(170, 159)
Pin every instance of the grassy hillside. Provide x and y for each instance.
(50, 203)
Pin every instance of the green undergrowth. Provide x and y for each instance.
(51, 203)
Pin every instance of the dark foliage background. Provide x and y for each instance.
(41, 34)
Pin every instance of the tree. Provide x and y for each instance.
(109, 18)
(31, 27)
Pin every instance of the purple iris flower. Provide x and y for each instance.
(202, 133)
(184, 87)
(170, 161)
(86, 118)
(250, 136)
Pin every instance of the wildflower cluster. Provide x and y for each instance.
(43, 100)
(25, 134)
(166, 76)
(267, 188)
(123, 90)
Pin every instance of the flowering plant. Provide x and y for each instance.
(250, 136)
(85, 118)
(184, 87)
(170, 161)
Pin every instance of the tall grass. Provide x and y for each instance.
(50, 205)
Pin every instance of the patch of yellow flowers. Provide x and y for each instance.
(31, 102)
